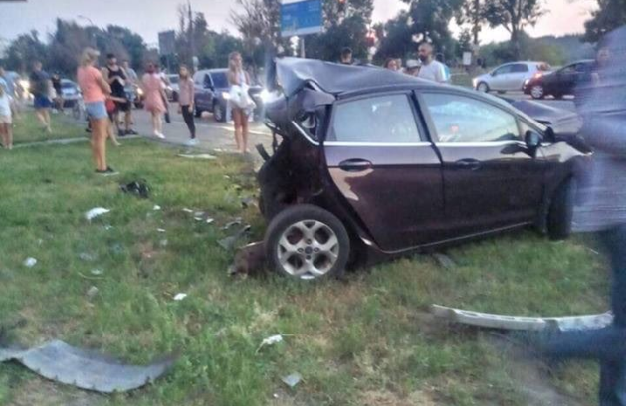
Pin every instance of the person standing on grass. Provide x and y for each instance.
(238, 77)
(185, 102)
(6, 122)
(431, 69)
(602, 211)
(95, 90)
(58, 89)
(154, 91)
(40, 87)
(116, 77)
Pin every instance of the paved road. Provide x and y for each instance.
(211, 135)
(567, 103)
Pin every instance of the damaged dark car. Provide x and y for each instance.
(374, 164)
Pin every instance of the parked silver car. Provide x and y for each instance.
(509, 77)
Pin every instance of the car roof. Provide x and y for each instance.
(205, 71)
(339, 80)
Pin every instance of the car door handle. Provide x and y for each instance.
(471, 164)
(355, 165)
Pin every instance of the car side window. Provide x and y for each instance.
(519, 68)
(207, 81)
(462, 119)
(383, 119)
(503, 70)
(569, 70)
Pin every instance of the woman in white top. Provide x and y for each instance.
(238, 77)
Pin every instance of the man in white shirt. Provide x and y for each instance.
(431, 69)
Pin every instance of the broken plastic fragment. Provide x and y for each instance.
(97, 272)
(197, 156)
(292, 380)
(86, 257)
(180, 296)
(271, 340)
(161, 230)
(85, 369)
(30, 262)
(92, 292)
(96, 212)
(186, 210)
(156, 207)
(210, 220)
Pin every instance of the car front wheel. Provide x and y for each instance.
(560, 213)
(219, 113)
(483, 87)
(307, 243)
(537, 92)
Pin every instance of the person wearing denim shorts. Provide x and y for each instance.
(95, 89)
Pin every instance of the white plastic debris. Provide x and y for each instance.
(156, 207)
(30, 262)
(271, 340)
(97, 272)
(292, 380)
(180, 296)
(108, 227)
(210, 221)
(161, 230)
(163, 243)
(197, 156)
(92, 292)
(186, 210)
(96, 212)
(198, 218)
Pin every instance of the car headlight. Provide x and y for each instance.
(265, 95)
(225, 95)
(139, 92)
(475, 82)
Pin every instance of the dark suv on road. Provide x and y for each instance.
(211, 93)
(562, 82)
(375, 164)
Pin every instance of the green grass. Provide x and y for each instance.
(28, 129)
(366, 341)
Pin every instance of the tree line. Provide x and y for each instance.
(347, 23)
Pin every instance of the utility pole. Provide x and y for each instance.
(192, 45)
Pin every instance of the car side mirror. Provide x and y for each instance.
(493, 74)
(533, 140)
(549, 134)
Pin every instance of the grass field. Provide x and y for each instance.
(28, 129)
(364, 341)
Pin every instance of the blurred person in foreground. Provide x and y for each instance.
(431, 68)
(346, 57)
(40, 87)
(95, 91)
(155, 100)
(239, 81)
(602, 210)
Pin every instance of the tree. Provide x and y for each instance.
(24, 50)
(472, 12)
(610, 15)
(514, 16)
(395, 38)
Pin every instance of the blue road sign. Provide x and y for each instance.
(301, 17)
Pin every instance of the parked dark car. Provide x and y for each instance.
(212, 92)
(374, 164)
(70, 92)
(562, 82)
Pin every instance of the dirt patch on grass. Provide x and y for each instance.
(46, 393)
(386, 398)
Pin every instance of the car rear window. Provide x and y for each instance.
(520, 68)
(382, 119)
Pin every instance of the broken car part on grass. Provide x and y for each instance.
(516, 323)
(85, 369)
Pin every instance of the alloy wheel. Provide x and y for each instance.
(536, 92)
(483, 87)
(308, 249)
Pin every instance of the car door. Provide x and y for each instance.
(500, 77)
(517, 77)
(386, 170)
(204, 92)
(491, 179)
(566, 80)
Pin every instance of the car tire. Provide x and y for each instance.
(560, 212)
(483, 87)
(219, 112)
(197, 110)
(537, 92)
(175, 97)
(306, 242)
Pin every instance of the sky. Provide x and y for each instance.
(148, 17)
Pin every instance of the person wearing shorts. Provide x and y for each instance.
(95, 89)
(116, 77)
(40, 86)
(6, 122)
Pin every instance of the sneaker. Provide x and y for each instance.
(121, 133)
(192, 142)
(159, 135)
(107, 172)
(131, 132)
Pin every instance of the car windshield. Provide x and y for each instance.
(67, 85)
(220, 80)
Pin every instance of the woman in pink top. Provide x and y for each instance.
(185, 102)
(155, 94)
(95, 89)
